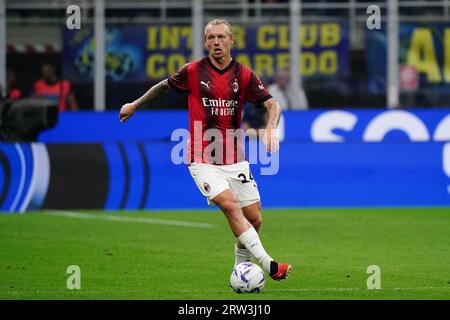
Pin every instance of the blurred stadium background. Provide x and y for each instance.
(373, 131)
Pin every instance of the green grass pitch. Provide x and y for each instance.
(330, 250)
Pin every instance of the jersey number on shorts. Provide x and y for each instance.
(244, 177)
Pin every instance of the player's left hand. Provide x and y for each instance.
(271, 140)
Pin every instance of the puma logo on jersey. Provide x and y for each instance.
(206, 84)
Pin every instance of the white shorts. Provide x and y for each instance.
(214, 179)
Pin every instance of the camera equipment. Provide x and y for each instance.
(22, 120)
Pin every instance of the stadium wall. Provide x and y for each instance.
(329, 158)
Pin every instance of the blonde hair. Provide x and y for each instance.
(219, 21)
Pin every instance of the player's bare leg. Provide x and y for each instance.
(228, 203)
(241, 227)
(247, 234)
(253, 214)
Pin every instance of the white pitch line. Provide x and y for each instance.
(109, 217)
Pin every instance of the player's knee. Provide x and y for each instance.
(230, 206)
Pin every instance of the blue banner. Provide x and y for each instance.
(423, 47)
(329, 158)
(135, 176)
(418, 125)
(153, 52)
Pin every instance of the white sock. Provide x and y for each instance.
(251, 241)
(241, 255)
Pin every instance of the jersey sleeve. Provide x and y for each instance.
(256, 92)
(179, 80)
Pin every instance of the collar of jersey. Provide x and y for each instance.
(220, 71)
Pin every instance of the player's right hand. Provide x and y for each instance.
(127, 111)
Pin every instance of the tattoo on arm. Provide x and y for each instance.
(154, 92)
(274, 110)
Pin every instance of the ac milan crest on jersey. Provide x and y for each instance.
(206, 187)
(216, 97)
(235, 86)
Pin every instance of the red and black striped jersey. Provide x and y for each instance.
(215, 101)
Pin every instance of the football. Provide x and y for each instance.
(247, 277)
